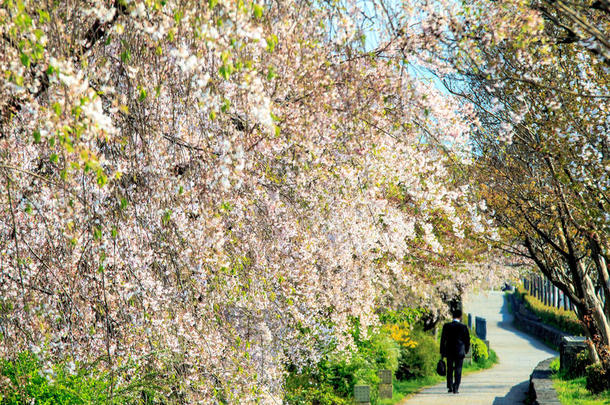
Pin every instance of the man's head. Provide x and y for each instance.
(456, 313)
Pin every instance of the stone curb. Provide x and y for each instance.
(541, 390)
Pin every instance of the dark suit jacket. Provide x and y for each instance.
(455, 340)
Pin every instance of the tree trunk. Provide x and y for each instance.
(594, 309)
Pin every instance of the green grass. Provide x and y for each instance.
(482, 365)
(572, 391)
(403, 389)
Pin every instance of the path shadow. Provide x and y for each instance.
(516, 395)
(507, 324)
(507, 317)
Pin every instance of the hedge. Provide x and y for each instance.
(566, 321)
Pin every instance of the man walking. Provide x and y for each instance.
(455, 343)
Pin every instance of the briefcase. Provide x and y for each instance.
(441, 369)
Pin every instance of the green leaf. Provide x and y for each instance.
(97, 233)
(178, 16)
(225, 106)
(57, 108)
(25, 60)
(102, 179)
(43, 16)
(224, 72)
(257, 10)
(123, 203)
(54, 158)
(166, 217)
(126, 56)
(37, 136)
(271, 43)
(271, 73)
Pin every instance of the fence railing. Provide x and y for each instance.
(541, 288)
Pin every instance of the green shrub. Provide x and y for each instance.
(332, 380)
(597, 377)
(25, 379)
(421, 360)
(478, 348)
(409, 316)
(561, 319)
(327, 384)
(581, 362)
(554, 366)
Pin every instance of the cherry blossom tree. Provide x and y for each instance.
(210, 190)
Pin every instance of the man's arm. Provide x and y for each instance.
(466, 339)
(444, 341)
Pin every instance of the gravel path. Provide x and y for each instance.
(506, 382)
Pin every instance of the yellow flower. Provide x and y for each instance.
(400, 333)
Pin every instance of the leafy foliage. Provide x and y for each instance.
(479, 349)
(332, 380)
(557, 317)
(26, 379)
(581, 363)
(554, 365)
(597, 377)
(421, 361)
(544, 178)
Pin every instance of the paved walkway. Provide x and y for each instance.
(506, 382)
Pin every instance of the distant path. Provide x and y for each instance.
(505, 383)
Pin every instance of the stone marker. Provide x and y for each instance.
(468, 357)
(385, 383)
(569, 348)
(481, 327)
(469, 321)
(362, 394)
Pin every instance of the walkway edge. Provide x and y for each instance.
(541, 390)
(529, 323)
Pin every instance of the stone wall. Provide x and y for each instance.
(526, 321)
(541, 386)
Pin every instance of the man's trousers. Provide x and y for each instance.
(454, 372)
